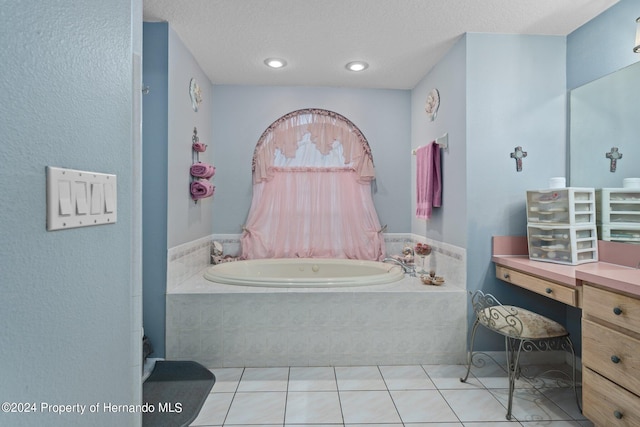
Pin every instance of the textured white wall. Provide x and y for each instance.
(70, 321)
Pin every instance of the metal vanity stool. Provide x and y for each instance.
(523, 330)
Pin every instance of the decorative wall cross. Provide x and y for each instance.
(613, 155)
(518, 154)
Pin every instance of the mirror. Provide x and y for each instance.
(605, 114)
(604, 123)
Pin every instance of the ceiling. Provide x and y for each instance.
(400, 39)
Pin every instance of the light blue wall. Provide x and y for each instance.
(515, 97)
(70, 325)
(171, 217)
(448, 223)
(242, 113)
(187, 221)
(603, 45)
(497, 92)
(155, 110)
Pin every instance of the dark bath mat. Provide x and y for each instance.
(175, 391)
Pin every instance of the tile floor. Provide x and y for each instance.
(382, 396)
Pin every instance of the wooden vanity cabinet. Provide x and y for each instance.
(553, 290)
(610, 357)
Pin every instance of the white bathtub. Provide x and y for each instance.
(304, 272)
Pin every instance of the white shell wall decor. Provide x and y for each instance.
(196, 94)
(432, 104)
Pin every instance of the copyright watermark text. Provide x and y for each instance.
(81, 409)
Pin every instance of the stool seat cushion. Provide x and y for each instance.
(517, 322)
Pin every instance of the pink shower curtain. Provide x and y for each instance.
(312, 213)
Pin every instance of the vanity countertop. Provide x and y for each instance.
(614, 271)
(611, 276)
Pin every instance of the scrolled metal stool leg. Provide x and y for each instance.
(472, 338)
(514, 366)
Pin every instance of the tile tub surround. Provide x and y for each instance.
(183, 261)
(186, 260)
(235, 326)
(404, 322)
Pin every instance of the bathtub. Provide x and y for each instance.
(304, 273)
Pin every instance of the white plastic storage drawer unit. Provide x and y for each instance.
(561, 206)
(620, 233)
(563, 244)
(618, 206)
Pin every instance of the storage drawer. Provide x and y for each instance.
(558, 292)
(620, 233)
(611, 354)
(614, 308)
(607, 404)
(566, 206)
(563, 244)
(618, 205)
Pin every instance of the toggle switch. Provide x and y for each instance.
(96, 198)
(81, 198)
(64, 197)
(109, 198)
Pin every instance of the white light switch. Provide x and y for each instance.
(109, 198)
(96, 198)
(64, 197)
(80, 199)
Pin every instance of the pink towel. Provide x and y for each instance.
(429, 180)
(200, 148)
(202, 170)
(201, 189)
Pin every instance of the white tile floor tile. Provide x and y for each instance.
(368, 407)
(359, 378)
(312, 379)
(475, 405)
(264, 379)
(531, 405)
(214, 410)
(227, 379)
(381, 396)
(257, 408)
(420, 406)
(406, 378)
(307, 407)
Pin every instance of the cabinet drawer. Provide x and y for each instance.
(540, 286)
(611, 354)
(607, 404)
(614, 308)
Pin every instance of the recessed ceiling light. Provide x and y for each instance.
(357, 66)
(275, 62)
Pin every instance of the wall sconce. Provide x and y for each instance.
(637, 48)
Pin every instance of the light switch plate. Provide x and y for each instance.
(80, 198)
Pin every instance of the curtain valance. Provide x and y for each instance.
(326, 130)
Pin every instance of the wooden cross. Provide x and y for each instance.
(518, 154)
(613, 155)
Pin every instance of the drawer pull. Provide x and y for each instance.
(617, 311)
(617, 414)
(506, 276)
(548, 290)
(615, 359)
